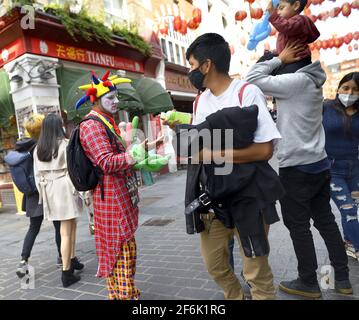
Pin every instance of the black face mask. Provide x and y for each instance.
(197, 77)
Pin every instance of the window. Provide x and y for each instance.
(184, 56)
(164, 48)
(224, 20)
(172, 55)
(115, 11)
(178, 53)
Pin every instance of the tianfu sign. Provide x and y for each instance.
(66, 52)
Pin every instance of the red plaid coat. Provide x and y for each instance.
(115, 218)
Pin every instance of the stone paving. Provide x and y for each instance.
(169, 261)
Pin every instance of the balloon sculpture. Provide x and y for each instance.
(261, 30)
(145, 161)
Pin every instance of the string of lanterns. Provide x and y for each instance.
(182, 25)
(337, 42)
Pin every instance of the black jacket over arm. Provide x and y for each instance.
(244, 198)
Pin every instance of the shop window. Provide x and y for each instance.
(178, 54)
(164, 48)
(172, 54)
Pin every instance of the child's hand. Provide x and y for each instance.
(289, 53)
(270, 8)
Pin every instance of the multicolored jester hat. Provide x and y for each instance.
(100, 87)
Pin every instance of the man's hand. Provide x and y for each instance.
(270, 8)
(289, 53)
(154, 144)
(172, 125)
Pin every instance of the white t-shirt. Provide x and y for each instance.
(209, 103)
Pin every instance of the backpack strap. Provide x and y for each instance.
(241, 91)
(112, 138)
(196, 103)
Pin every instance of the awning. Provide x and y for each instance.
(6, 105)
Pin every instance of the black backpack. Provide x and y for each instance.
(22, 171)
(84, 175)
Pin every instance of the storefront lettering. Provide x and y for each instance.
(99, 58)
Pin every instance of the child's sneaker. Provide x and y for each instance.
(350, 250)
(22, 269)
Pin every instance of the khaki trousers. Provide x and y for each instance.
(215, 253)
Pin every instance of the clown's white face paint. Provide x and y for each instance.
(110, 102)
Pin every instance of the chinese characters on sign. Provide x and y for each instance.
(61, 51)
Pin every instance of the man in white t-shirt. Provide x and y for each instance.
(209, 57)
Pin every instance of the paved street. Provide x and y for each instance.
(169, 261)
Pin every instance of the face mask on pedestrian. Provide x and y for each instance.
(110, 102)
(197, 78)
(347, 99)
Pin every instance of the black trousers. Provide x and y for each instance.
(34, 228)
(308, 197)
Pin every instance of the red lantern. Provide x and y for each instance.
(346, 9)
(350, 48)
(323, 16)
(256, 13)
(356, 46)
(177, 23)
(163, 28)
(197, 15)
(183, 30)
(325, 44)
(250, 1)
(240, 15)
(350, 36)
(335, 12)
(355, 4)
(347, 39)
(331, 43)
(192, 25)
(356, 35)
(318, 44)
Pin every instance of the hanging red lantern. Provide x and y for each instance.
(347, 39)
(335, 12)
(177, 23)
(192, 24)
(350, 36)
(256, 13)
(331, 43)
(356, 46)
(350, 48)
(250, 1)
(240, 15)
(323, 16)
(346, 9)
(183, 29)
(163, 28)
(318, 44)
(325, 44)
(355, 4)
(356, 35)
(197, 15)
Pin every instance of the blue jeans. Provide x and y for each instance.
(344, 190)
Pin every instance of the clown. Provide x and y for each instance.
(116, 216)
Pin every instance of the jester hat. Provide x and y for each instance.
(99, 87)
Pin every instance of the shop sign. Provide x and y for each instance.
(11, 51)
(66, 52)
(178, 82)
